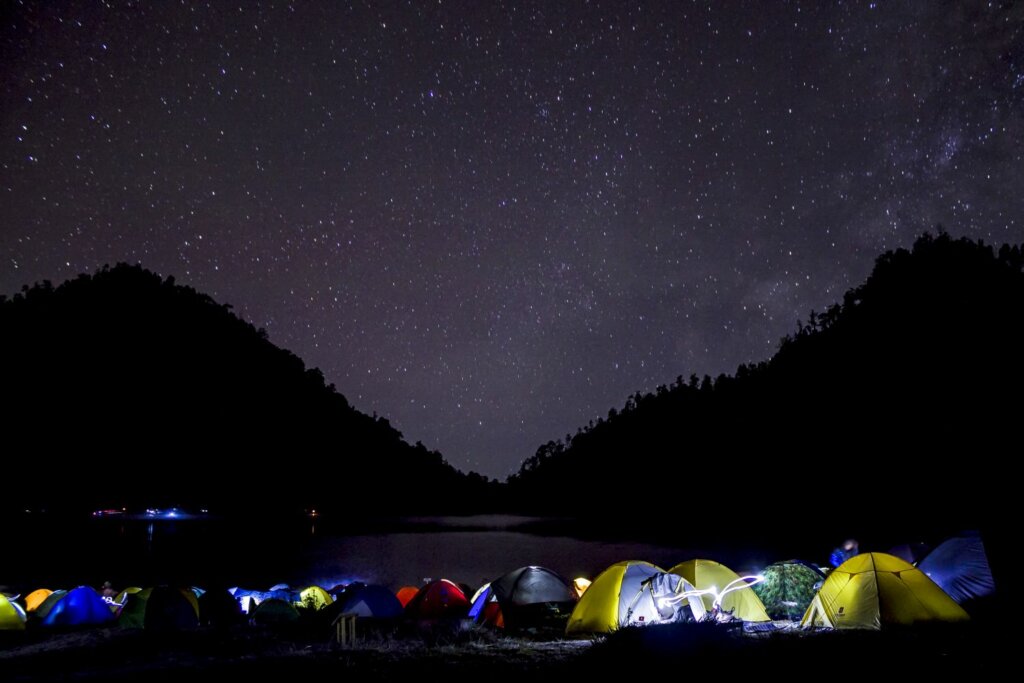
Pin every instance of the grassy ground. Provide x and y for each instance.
(482, 656)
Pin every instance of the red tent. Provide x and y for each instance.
(438, 600)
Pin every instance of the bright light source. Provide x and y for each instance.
(737, 584)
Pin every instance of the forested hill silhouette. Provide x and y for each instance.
(895, 412)
(158, 395)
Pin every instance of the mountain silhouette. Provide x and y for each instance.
(158, 396)
(894, 414)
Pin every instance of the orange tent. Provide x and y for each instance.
(35, 598)
(406, 593)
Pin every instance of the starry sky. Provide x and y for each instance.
(493, 221)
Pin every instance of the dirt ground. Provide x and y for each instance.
(483, 656)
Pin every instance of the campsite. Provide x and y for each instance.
(525, 340)
(528, 621)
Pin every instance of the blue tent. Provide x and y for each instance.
(483, 596)
(960, 567)
(80, 607)
(369, 601)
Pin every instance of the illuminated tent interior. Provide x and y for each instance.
(632, 593)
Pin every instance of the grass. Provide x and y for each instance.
(483, 656)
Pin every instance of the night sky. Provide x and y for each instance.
(492, 222)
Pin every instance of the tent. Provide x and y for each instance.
(79, 607)
(171, 609)
(483, 596)
(274, 611)
(369, 601)
(438, 600)
(580, 584)
(960, 567)
(531, 597)
(872, 589)
(218, 608)
(632, 593)
(313, 598)
(741, 603)
(406, 593)
(36, 598)
(162, 608)
(133, 608)
(788, 588)
(122, 598)
(48, 604)
(485, 609)
(12, 617)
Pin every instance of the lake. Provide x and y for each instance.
(256, 554)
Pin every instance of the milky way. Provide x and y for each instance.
(492, 222)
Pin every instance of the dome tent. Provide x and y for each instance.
(531, 597)
(406, 593)
(313, 598)
(12, 617)
(632, 593)
(438, 600)
(872, 589)
(275, 611)
(162, 608)
(79, 607)
(48, 604)
(218, 608)
(960, 567)
(741, 602)
(368, 600)
(788, 588)
(36, 598)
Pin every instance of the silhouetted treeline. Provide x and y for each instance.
(896, 412)
(158, 395)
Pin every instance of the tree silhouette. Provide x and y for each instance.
(888, 412)
(149, 374)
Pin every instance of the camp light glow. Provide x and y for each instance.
(737, 584)
(741, 582)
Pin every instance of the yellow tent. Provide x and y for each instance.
(741, 602)
(35, 598)
(598, 610)
(123, 595)
(632, 594)
(314, 597)
(12, 618)
(580, 584)
(873, 589)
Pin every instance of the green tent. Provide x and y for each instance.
(274, 611)
(788, 589)
(161, 608)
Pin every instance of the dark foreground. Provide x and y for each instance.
(476, 655)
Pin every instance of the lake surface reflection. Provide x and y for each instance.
(259, 553)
